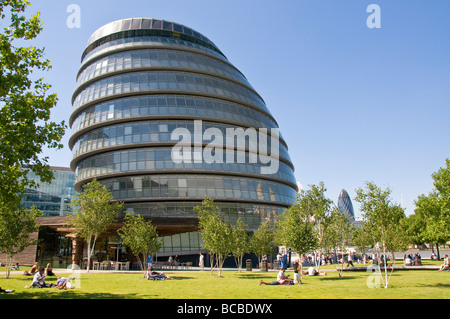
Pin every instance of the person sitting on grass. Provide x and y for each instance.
(408, 261)
(155, 275)
(282, 279)
(49, 270)
(313, 272)
(445, 265)
(33, 270)
(39, 280)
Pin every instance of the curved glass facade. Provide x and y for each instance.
(141, 80)
(169, 106)
(167, 59)
(345, 204)
(149, 82)
(160, 160)
(156, 132)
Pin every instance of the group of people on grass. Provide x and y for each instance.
(283, 279)
(39, 274)
(413, 260)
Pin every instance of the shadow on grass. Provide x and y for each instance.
(179, 278)
(326, 278)
(437, 285)
(255, 277)
(69, 294)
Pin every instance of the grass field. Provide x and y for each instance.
(404, 284)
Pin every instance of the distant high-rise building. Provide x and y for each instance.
(345, 204)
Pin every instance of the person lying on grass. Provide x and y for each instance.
(64, 283)
(6, 290)
(282, 279)
(155, 275)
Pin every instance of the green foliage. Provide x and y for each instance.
(312, 208)
(239, 241)
(313, 203)
(95, 212)
(295, 229)
(140, 236)
(361, 239)
(442, 184)
(338, 232)
(216, 234)
(262, 242)
(431, 220)
(383, 220)
(25, 126)
(15, 230)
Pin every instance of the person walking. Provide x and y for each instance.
(350, 260)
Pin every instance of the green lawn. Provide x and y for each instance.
(411, 284)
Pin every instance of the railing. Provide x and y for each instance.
(160, 265)
(165, 265)
(110, 265)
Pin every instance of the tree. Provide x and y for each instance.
(15, 230)
(338, 233)
(25, 105)
(95, 212)
(430, 215)
(140, 236)
(239, 242)
(262, 241)
(441, 182)
(315, 205)
(384, 221)
(431, 220)
(216, 234)
(415, 226)
(361, 239)
(295, 230)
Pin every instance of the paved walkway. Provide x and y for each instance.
(395, 268)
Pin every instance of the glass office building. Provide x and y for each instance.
(54, 198)
(142, 80)
(345, 204)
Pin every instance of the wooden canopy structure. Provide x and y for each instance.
(165, 226)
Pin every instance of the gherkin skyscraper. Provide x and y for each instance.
(345, 204)
(142, 80)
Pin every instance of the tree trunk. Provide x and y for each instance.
(211, 260)
(8, 266)
(88, 256)
(318, 263)
(90, 252)
(437, 249)
(220, 262)
(141, 263)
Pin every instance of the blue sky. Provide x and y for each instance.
(354, 104)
